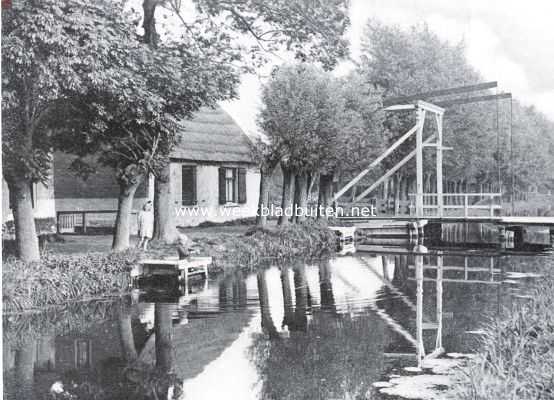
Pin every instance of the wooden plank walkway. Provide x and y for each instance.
(433, 251)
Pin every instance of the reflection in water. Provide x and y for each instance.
(292, 332)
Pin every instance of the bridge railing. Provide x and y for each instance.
(451, 203)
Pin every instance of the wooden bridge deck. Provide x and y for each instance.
(523, 221)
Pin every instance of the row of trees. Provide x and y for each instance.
(321, 128)
(78, 78)
(316, 126)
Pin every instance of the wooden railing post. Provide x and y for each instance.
(84, 217)
(466, 204)
(492, 206)
(419, 162)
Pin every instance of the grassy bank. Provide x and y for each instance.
(61, 278)
(58, 279)
(516, 358)
(310, 240)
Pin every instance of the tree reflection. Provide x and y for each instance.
(65, 357)
(326, 287)
(24, 366)
(163, 330)
(288, 303)
(129, 350)
(268, 327)
(301, 292)
(323, 359)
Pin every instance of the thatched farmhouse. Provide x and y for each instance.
(213, 178)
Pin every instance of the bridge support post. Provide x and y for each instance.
(420, 351)
(439, 165)
(419, 162)
(501, 238)
(438, 341)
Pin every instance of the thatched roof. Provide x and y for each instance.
(213, 136)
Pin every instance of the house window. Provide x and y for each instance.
(82, 353)
(232, 185)
(188, 187)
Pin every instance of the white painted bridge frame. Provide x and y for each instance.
(421, 108)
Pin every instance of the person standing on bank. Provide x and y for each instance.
(145, 225)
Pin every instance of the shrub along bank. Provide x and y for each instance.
(59, 279)
(516, 360)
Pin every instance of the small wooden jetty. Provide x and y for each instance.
(172, 266)
(346, 239)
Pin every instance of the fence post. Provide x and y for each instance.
(492, 206)
(84, 214)
(466, 205)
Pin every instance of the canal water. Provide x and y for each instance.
(326, 330)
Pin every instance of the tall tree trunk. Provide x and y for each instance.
(25, 231)
(263, 200)
(164, 223)
(301, 196)
(163, 331)
(149, 23)
(286, 201)
(122, 220)
(325, 192)
(427, 199)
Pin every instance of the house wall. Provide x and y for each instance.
(208, 207)
(99, 191)
(44, 206)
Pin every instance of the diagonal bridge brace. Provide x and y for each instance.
(376, 162)
(392, 170)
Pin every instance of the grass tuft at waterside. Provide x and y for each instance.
(516, 359)
(58, 279)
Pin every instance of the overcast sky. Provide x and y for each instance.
(509, 41)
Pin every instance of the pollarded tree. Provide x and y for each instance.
(247, 33)
(53, 54)
(298, 118)
(267, 156)
(355, 135)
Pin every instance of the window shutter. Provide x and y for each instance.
(242, 185)
(188, 188)
(222, 196)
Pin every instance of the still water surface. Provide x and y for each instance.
(306, 331)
